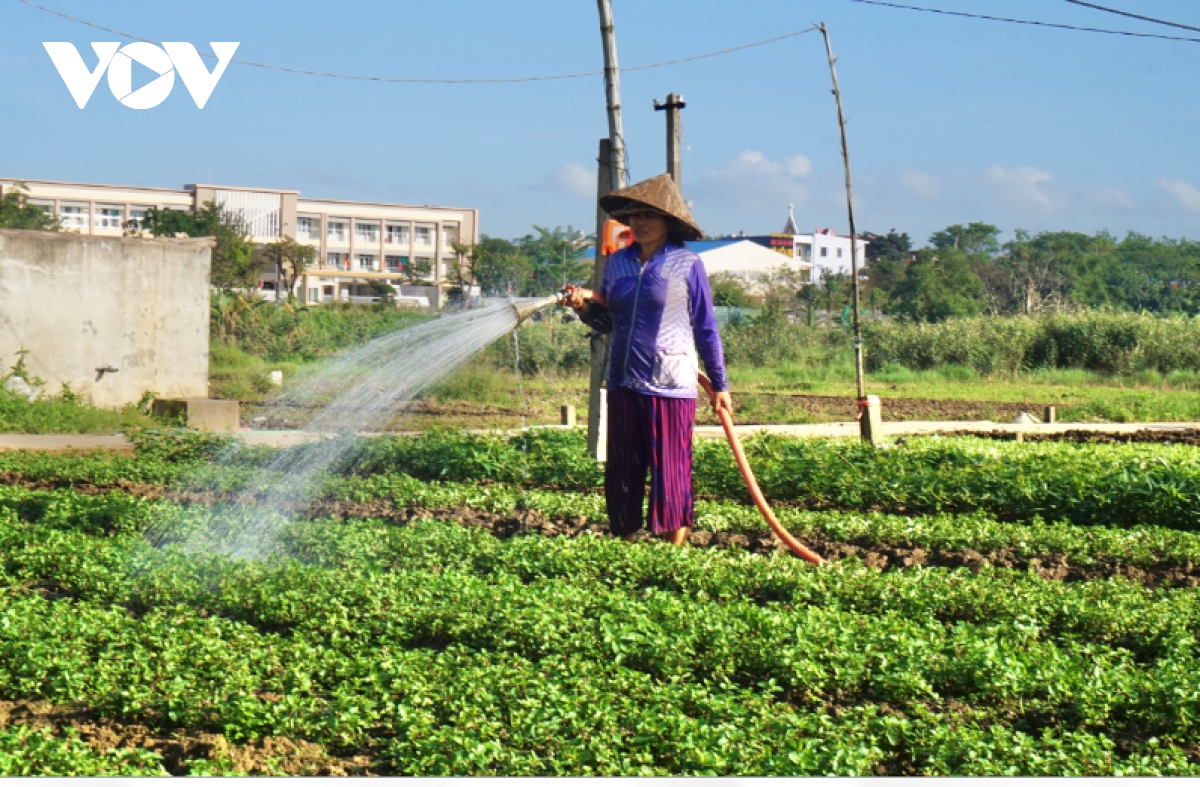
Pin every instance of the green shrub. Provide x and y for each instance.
(279, 332)
(1107, 342)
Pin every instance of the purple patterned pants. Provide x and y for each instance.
(652, 432)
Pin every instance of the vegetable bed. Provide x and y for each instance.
(405, 628)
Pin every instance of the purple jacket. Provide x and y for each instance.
(662, 314)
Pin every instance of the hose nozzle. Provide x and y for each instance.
(524, 312)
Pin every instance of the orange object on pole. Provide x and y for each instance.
(616, 236)
(739, 455)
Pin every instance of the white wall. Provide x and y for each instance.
(746, 259)
(78, 303)
(833, 244)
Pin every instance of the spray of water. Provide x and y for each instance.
(359, 391)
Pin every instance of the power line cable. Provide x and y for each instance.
(1133, 16)
(405, 80)
(1025, 21)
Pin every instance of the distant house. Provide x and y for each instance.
(739, 257)
(753, 258)
(744, 259)
(823, 248)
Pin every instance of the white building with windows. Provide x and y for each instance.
(823, 249)
(357, 243)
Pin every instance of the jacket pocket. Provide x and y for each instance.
(673, 370)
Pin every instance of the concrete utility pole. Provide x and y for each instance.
(612, 176)
(597, 399)
(869, 416)
(672, 106)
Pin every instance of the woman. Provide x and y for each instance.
(655, 297)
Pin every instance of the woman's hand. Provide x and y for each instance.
(577, 297)
(722, 399)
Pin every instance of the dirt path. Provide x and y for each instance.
(295, 758)
(1050, 566)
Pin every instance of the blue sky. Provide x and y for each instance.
(950, 120)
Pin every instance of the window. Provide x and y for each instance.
(449, 264)
(137, 214)
(366, 262)
(396, 264)
(73, 216)
(314, 294)
(333, 260)
(336, 230)
(449, 234)
(108, 217)
(423, 235)
(397, 234)
(824, 251)
(366, 233)
(307, 227)
(422, 267)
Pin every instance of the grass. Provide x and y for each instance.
(236, 374)
(66, 415)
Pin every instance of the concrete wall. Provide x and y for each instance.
(79, 303)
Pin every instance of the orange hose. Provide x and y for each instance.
(751, 484)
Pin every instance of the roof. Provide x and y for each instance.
(698, 246)
(790, 227)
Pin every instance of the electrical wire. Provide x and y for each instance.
(1025, 21)
(405, 80)
(1119, 12)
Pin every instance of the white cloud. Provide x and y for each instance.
(1187, 195)
(922, 184)
(1109, 197)
(574, 180)
(798, 166)
(753, 181)
(1026, 189)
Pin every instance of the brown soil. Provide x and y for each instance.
(1055, 567)
(843, 408)
(1168, 436)
(11, 478)
(264, 756)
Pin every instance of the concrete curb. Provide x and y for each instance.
(281, 439)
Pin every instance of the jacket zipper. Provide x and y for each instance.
(637, 294)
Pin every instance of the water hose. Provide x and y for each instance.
(726, 417)
(739, 455)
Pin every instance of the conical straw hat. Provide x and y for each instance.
(658, 193)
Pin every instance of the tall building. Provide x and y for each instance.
(356, 243)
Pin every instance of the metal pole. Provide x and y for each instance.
(865, 417)
(612, 87)
(674, 132)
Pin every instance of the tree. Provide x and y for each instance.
(892, 246)
(834, 290)
(974, 239)
(938, 285)
(17, 214)
(497, 265)
(554, 259)
(233, 264)
(887, 257)
(728, 290)
(290, 259)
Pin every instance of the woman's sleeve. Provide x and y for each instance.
(704, 326)
(595, 316)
